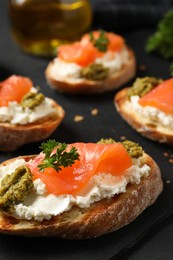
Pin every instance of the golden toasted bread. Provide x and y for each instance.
(100, 218)
(14, 136)
(143, 125)
(85, 86)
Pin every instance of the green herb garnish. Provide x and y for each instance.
(58, 159)
(162, 40)
(101, 43)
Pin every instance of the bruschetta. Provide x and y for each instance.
(77, 191)
(99, 62)
(148, 107)
(25, 114)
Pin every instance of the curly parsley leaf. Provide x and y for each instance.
(162, 40)
(58, 159)
(101, 43)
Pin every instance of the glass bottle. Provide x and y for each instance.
(40, 26)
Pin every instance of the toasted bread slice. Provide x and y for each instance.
(85, 86)
(14, 136)
(100, 218)
(143, 125)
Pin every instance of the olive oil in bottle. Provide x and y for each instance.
(40, 26)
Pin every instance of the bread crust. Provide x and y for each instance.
(14, 136)
(142, 125)
(100, 218)
(89, 86)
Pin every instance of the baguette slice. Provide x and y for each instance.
(100, 218)
(143, 125)
(86, 86)
(14, 136)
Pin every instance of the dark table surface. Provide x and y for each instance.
(151, 235)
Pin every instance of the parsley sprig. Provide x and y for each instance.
(60, 158)
(162, 40)
(101, 43)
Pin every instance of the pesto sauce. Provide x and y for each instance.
(142, 86)
(133, 149)
(95, 72)
(106, 141)
(31, 100)
(15, 188)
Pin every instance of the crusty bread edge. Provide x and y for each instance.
(101, 218)
(85, 86)
(14, 136)
(144, 127)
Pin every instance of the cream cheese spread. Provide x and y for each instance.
(154, 114)
(16, 114)
(40, 205)
(68, 71)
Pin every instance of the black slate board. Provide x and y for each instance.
(106, 124)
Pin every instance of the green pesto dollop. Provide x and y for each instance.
(95, 72)
(106, 141)
(142, 86)
(15, 188)
(133, 149)
(31, 100)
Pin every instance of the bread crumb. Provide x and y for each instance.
(166, 154)
(142, 67)
(94, 111)
(168, 181)
(78, 118)
(123, 138)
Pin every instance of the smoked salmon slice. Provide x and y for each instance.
(13, 89)
(84, 52)
(78, 53)
(160, 97)
(93, 159)
(115, 41)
